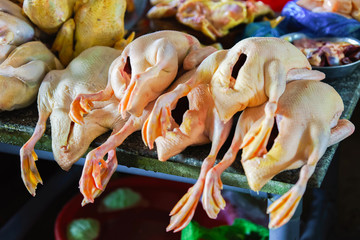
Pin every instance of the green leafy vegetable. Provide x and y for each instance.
(240, 230)
(121, 198)
(83, 228)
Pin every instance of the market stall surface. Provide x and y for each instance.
(341, 203)
(16, 128)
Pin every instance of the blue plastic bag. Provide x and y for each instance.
(318, 24)
(313, 24)
(262, 29)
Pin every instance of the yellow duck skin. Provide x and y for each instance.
(86, 74)
(308, 122)
(80, 24)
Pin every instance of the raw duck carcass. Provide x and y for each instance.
(15, 29)
(80, 24)
(87, 73)
(22, 72)
(308, 122)
(97, 171)
(252, 72)
(200, 124)
(146, 67)
(49, 15)
(214, 18)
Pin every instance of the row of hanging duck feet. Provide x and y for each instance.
(136, 89)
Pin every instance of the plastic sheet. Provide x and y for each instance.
(318, 24)
(262, 29)
(240, 230)
(313, 24)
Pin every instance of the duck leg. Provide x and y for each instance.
(212, 200)
(275, 82)
(184, 210)
(283, 208)
(146, 86)
(103, 172)
(29, 173)
(160, 118)
(97, 172)
(64, 42)
(82, 104)
(274, 87)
